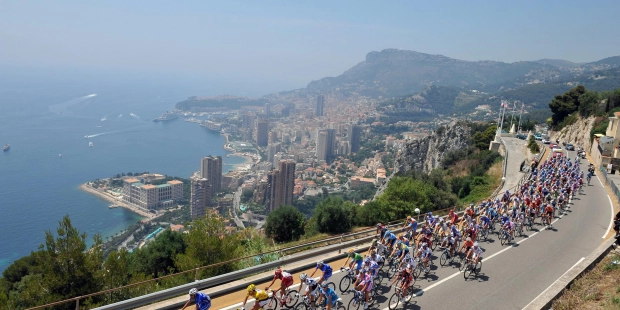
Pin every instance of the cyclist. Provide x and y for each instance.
(371, 266)
(363, 283)
(411, 226)
(452, 217)
(261, 297)
(406, 275)
(425, 255)
(484, 221)
(389, 239)
(311, 286)
(408, 261)
(548, 215)
(476, 254)
(286, 281)
(509, 226)
(325, 268)
(467, 246)
(331, 298)
(377, 258)
(202, 300)
(355, 259)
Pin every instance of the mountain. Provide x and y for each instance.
(560, 63)
(394, 72)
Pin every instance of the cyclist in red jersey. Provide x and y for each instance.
(286, 281)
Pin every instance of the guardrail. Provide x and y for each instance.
(220, 279)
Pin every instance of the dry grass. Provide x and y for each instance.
(496, 172)
(462, 167)
(598, 288)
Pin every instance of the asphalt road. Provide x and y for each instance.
(512, 275)
(516, 155)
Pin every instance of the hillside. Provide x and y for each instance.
(393, 72)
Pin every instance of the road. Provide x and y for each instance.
(516, 155)
(512, 276)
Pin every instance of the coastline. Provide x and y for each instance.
(105, 196)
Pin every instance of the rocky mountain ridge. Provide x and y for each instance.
(427, 153)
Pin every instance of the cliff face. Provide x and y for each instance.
(577, 133)
(426, 154)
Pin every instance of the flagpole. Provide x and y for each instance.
(520, 116)
(512, 116)
(501, 124)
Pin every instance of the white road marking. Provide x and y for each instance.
(569, 269)
(611, 220)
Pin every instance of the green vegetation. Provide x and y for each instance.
(63, 267)
(532, 145)
(580, 102)
(285, 224)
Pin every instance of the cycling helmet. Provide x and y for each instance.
(278, 271)
(303, 276)
(379, 225)
(320, 263)
(193, 291)
(251, 288)
(429, 213)
(324, 284)
(476, 244)
(408, 216)
(468, 239)
(351, 251)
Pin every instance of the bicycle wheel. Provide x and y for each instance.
(354, 304)
(390, 272)
(394, 300)
(331, 285)
(417, 270)
(345, 283)
(291, 298)
(502, 238)
(341, 307)
(434, 242)
(462, 262)
(272, 304)
(443, 259)
(302, 306)
(467, 271)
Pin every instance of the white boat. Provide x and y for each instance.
(90, 144)
(86, 137)
(60, 155)
(103, 119)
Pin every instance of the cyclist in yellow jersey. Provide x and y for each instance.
(261, 297)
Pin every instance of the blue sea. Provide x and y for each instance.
(44, 118)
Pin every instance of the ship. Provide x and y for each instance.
(90, 144)
(6, 147)
(168, 116)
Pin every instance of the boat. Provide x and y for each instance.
(168, 116)
(86, 137)
(90, 144)
(103, 119)
(113, 206)
(60, 155)
(6, 147)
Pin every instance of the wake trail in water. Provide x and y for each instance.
(115, 132)
(135, 116)
(61, 108)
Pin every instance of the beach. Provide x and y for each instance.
(113, 200)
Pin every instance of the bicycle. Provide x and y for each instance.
(505, 237)
(471, 268)
(519, 229)
(306, 304)
(399, 295)
(446, 258)
(347, 280)
(483, 234)
(358, 299)
(290, 298)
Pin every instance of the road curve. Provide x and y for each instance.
(512, 276)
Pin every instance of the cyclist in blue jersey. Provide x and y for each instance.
(485, 221)
(331, 298)
(389, 239)
(325, 268)
(202, 300)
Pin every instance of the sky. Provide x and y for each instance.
(267, 46)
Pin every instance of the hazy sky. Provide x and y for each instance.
(286, 44)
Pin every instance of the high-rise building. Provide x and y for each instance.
(320, 105)
(281, 185)
(200, 196)
(326, 144)
(354, 134)
(343, 147)
(273, 136)
(262, 132)
(211, 169)
(268, 109)
(272, 149)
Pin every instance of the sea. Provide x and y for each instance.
(45, 121)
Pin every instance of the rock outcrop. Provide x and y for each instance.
(577, 133)
(427, 153)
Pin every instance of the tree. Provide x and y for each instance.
(67, 268)
(588, 103)
(483, 138)
(158, 257)
(285, 223)
(565, 104)
(333, 215)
